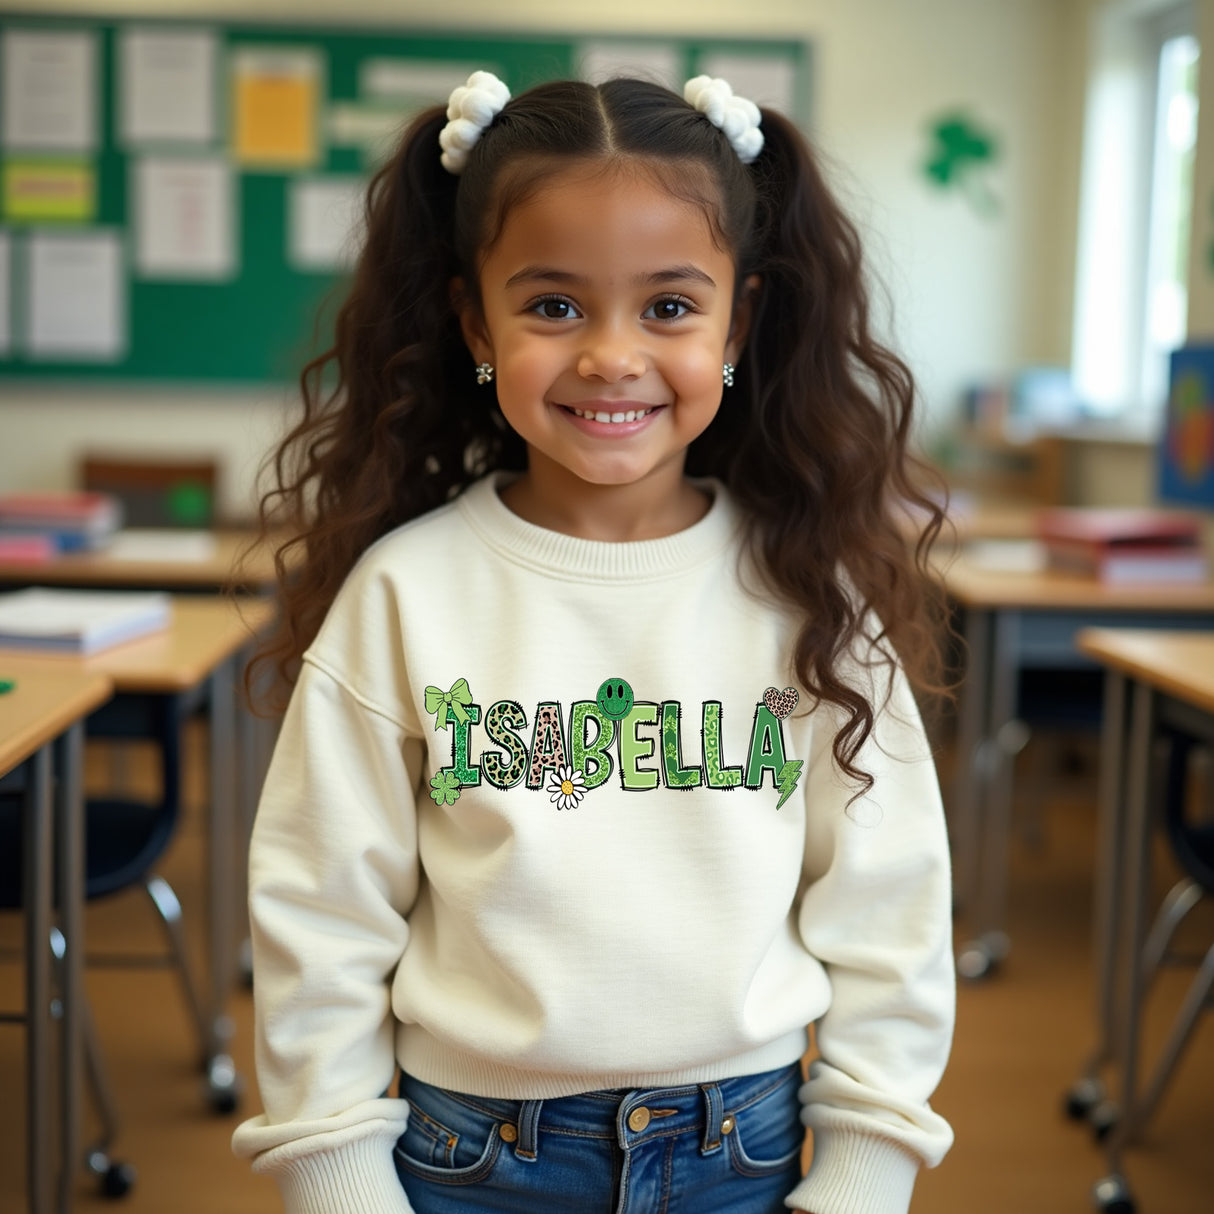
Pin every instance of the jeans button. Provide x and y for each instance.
(638, 1119)
(508, 1133)
(726, 1125)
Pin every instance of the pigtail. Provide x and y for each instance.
(392, 425)
(815, 440)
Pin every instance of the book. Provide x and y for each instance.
(1125, 545)
(27, 549)
(79, 621)
(75, 521)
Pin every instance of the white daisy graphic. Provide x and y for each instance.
(567, 787)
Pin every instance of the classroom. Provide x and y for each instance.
(1032, 183)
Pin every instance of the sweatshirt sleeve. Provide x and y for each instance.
(333, 873)
(876, 911)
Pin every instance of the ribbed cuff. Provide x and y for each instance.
(355, 1176)
(856, 1174)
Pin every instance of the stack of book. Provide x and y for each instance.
(79, 621)
(39, 525)
(1124, 546)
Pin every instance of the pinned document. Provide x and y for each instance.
(50, 95)
(276, 107)
(76, 296)
(167, 83)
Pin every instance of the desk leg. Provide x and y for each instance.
(39, 880)
(972, 729)
(1087, 1097)
(1135, 880)
(992, 806)
(69, 831)
(221, 1070)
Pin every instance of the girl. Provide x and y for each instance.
(600, 779)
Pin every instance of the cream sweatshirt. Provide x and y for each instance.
(549, 815)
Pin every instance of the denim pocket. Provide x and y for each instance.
(445, 1140)
(767, 1135)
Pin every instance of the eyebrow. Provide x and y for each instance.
(680, 273)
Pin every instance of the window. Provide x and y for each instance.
(1131, 295)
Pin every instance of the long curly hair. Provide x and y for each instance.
(814, 446)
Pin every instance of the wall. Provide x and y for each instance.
(969, 295)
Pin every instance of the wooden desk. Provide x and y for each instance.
(254, 571)
(199, 655)
(41, 732)
(1154, 682)
(1014, 621)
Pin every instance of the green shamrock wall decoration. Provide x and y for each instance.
(959, 153)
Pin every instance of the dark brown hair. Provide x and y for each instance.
(813, 442)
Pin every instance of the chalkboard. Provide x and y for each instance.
(252, 318)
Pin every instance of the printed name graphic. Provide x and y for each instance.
(570, 756)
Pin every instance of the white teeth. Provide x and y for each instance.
(631, 415)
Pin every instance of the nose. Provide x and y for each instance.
(611, 353)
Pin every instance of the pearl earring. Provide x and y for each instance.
(484, 373)
(727, 374)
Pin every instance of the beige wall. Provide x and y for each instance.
(971, 296)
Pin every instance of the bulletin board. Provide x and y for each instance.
(179, 199)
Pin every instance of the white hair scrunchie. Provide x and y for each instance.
(737, 117)
(470, 109)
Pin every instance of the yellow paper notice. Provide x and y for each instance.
(276, 108)
(38, 191)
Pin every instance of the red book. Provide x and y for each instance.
(67, 508)
(1125, 545)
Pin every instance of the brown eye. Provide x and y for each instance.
(667, 309)
(555, 309)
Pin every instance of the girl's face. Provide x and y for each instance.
(607, 314)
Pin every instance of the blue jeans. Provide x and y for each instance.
(729, 1146)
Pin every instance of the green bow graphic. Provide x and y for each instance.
(445, 702)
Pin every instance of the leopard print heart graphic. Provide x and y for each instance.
(781, 703)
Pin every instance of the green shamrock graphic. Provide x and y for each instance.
(959, 152)
(444, 787)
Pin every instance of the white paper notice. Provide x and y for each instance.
(658, 62)
(49, 99)
(168, 86)
(74, 308)
(6, 293)
(326, 222)
(417, 82)
(769, 80)
(184, 217)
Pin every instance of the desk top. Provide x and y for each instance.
(202, 633)
(974, 585)
(236, 558)
(39, 708)
(1179, 663)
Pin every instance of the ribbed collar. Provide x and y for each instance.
(575, 559)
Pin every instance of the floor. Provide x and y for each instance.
(1021, 1037)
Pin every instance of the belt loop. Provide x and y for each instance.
(714, 1110)
(528, 1146)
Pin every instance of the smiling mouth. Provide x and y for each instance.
(592, 415)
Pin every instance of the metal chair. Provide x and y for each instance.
(125, 840)
(1191, 836)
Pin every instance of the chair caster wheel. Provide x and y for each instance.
(1083, 1096)
(1102, 1118)
(979, 958)
(118, 1181)
(1112, 1196)
(223, 1085)
(116, 1178)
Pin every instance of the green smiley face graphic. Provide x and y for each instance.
(615, 699)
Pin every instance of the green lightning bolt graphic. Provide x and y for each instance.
(790, 773)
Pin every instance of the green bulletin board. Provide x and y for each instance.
(256, 322)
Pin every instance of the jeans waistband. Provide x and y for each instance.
(629, 1115)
